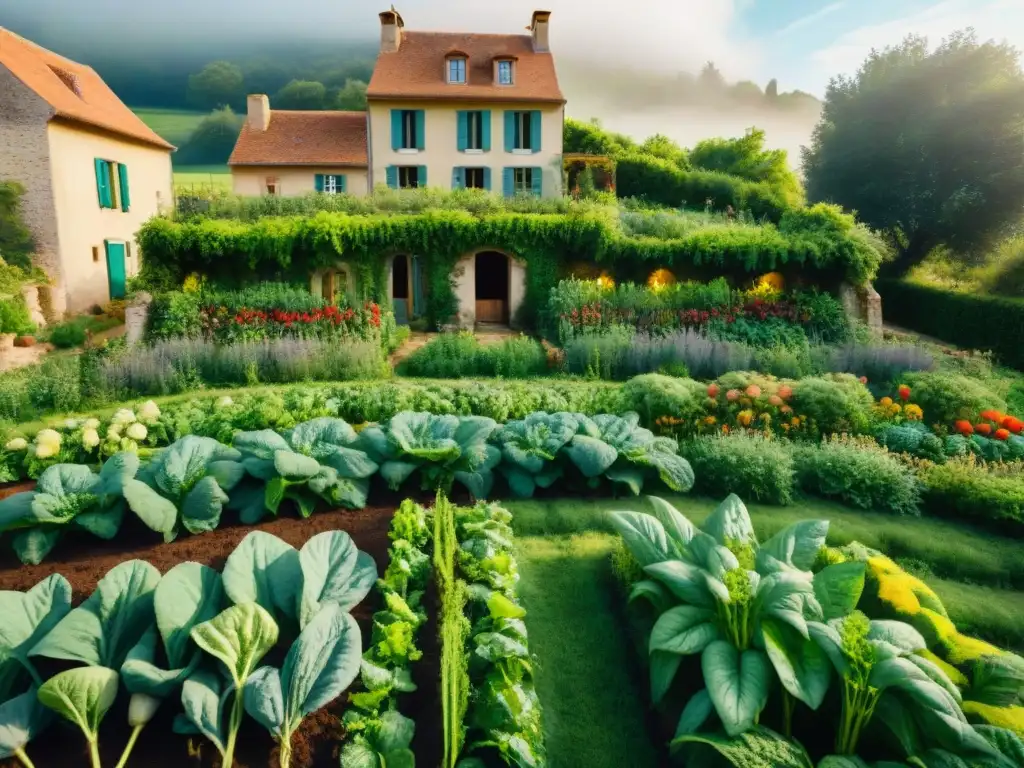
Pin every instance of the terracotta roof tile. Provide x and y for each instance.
(74, 91)
(304, 138)
(417, 69)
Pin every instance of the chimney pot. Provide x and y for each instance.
(540, 25)
(258, 109)
(391, 25)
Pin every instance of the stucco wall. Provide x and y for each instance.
(465, 287)
(441, 152)
(293, 181)
(349, 287)
(82, 224)
(25, 158)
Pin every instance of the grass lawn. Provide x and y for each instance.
(174, 125)
(593, 702)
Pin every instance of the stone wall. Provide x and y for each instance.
(862, 304)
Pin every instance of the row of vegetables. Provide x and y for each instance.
(325, 463)
(766, 653)
(192, 635)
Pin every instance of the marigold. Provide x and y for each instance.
(913, 412)
(964, 427)
(754, 391)
(745, 417)
(709, 420)
(732, 395)
(983, 429)
(795, 421)
(885, 402)
(904, 391)
(785, 392)
(1002, 434)
(713, 390)
(725, 429)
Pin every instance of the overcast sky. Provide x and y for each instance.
(801, 42)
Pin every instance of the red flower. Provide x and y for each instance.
(992, 415)
(904, 391)
(964, 427)
(1016, 426)
(713, 390)
(1002, 434)
(863, 379)
(983, 429)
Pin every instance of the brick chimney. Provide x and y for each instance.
(258, 107)
(391, 25)
(539, 27)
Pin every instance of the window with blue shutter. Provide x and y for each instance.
(122, 185)
(534, 131)
(103, 189)
(421, 178)
(510, 131)
(342, 183)
(508, 180)
(537, 181)
(463, 130)
(485, 130)
(420, 130)
(458, 178)
(487, 179)
(396, 128)
(319, 181)
(392, 176)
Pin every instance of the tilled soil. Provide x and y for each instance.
(84, 560)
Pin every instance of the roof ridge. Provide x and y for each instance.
(43, 51)
(333, 112)
(470, 34)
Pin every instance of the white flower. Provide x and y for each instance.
(47, 443)
(224, 402)
(17, 444)
(90, 438)
(123, 416)
(149, 412)
(137, 432)
(71, 423)
(113, 433)
(92, 424)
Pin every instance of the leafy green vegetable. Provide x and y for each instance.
(385, 743)
(530, 449)
(758, 747)
(82, 696)
(26, 618)
(21, 720)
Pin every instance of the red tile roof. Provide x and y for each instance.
(304, 138)
(417, 69)
(73, 91)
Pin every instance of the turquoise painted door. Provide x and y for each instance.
(116, 276)
(417, 287)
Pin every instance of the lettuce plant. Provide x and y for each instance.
(530, 449)
(82, 696)
(444, 449)
(185, 486)
(67, 495)
(313, 460)
(22, 719)
(616, 447)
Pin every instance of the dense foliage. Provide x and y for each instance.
(461, 355)
(16, 244)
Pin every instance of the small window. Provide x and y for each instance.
(474, 178)
(523, 130)
(409, 138)
(408, 176)
(127, 249)
(457, 70)
(522, 181)
(96, 253)
(272, 186)
(330, 185)
(475, 130)
(504, 73)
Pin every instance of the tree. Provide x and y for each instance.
(219, 84)
(662, 146)
(301, 94)
(747, 92)
(747, 157)
(771, 91)
(16, 245)
(925, 146)
(213, 139)
(352, 96)
(711, 78)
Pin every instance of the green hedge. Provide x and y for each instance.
(974, 322)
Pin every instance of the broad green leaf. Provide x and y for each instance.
(201, 509)
(180, 466)
(142, 676)
(936, 675)
(687, 582)
(631, 477)
(795, 546)
(264, 701)
(737, 683)
(239, 636)
(321, 664)
(663, 670)
(837, 761)
(685, 630)
(264, 569)
(838, 588)
(158, 513)
(104, 523)
(395, 734)
(730, 522)
(758, 747)
(831, 642)
(520, 483)
(203, 697)
(25, 618)
(350, 463)
(357, 753)
(319, 437)
(395, 473)
(643, 535)
(899, 720)
(227, 474)
(1009, 744)
(294, 466)
(591, 456)
(262, 444)
(677, 527)
(334, 571)
(997, 680)
(116, 471)
(102, 630)
(82, 695)
(34, 544)
(16, 511)
(652, 591)
(21, 720)
(789, 597)
(426, 436)
(802, 666)
(696, 712)
(248, 499)
(500, 607)
(895, 638)
(67, 480)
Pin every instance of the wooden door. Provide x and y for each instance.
(491, 311)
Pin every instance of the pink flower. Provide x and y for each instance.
(732, 395)
(775, 400)
(753, 391)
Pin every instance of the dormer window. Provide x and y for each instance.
(505, 74)
(457, 70)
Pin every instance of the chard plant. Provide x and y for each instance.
(530, 449)
(314, 461)
(67, 496)
(616, 447)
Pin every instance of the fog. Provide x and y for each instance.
(594, 44)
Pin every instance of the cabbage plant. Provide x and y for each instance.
(530, 450)
(618, 448)
(444, 449)
(185, 486)
(67, 496)
(313, 461)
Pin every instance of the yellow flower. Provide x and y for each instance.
(709, 420)
(913, 412)
(745, 417)
(795, 421)
(885, 402)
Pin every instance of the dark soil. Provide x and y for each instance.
(84, 560)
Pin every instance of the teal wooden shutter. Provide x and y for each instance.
(463, 130)
(487, 179)
(122, 185)
(485, 130)
(319, 182)
(392, 174)
(458, 178)
(508, 187)
(342, 183)
(537, 181)
(510, 131)
(421, 139)
(535, 130)
(421, 176)
(396, 129)
(103, 183)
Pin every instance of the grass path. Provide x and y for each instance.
(592, 700)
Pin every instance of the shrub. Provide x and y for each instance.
(654, 396)
(860, 474)
(880, 363)
(14, 317)
(460, 355)
(948, 397)
(747, 465)
(835, 403)
(68, 335)
(600, 356)
(1005, 276)
(963, 489)
(785, 362)
(174, 315)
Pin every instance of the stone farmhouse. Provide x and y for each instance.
(92, 170)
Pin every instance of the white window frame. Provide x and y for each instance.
(331, 186)
(522, 181)
(507, 63)
(453, 65)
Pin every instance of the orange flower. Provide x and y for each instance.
(753, 391)
(775, 400)
(786, 409)
(904, 391)
(745, 417)
(1015, 425)
(885, 402)
(992, 415)
(713, 390)
(1002, 434)
(725, 429)
(732, 395)
(964, 427)
(785, 392)
(795, 421)
(983, 429)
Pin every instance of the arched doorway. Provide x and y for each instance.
(401, 289)
(492, 287)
